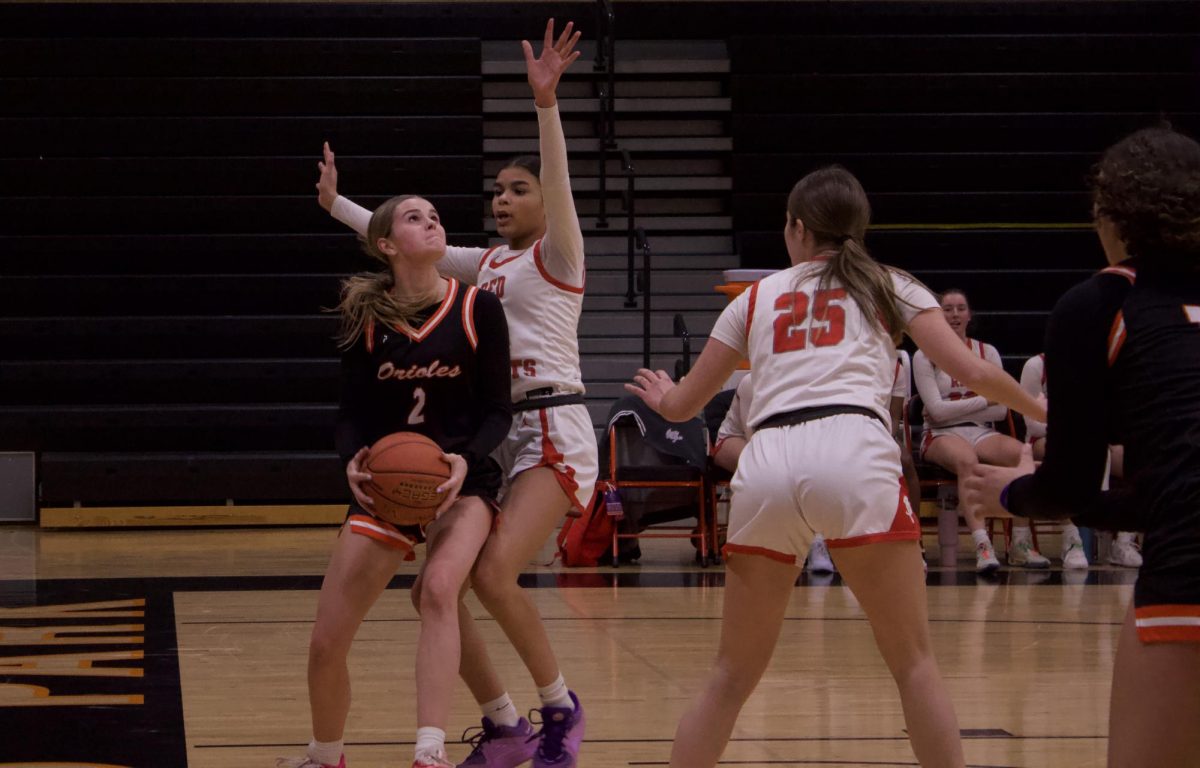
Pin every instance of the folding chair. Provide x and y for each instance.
(658, 482)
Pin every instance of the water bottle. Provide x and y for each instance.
(612, 502)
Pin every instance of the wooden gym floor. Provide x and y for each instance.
(172, 648)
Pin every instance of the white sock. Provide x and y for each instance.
(1128, 537)
(430, 741)
(326, 752)
(556, 695)
(501, 711)
(1023, 533)
(1070, 534)
(981, 537)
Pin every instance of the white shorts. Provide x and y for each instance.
(838, 476)
(973, 434)
(561, 438)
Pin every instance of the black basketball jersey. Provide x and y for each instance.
(447, 380)
(1122, 367)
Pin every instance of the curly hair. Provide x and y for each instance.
(1148, 185)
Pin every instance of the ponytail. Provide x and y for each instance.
(833, 206)
(869, 283)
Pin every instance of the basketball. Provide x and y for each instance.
(406, 469)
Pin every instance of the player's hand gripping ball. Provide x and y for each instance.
(406, 469)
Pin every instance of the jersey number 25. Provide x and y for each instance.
(826, 328)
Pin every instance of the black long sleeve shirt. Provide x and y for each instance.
(1122, 367)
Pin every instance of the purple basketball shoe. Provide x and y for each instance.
(560, 737)
(501, 746)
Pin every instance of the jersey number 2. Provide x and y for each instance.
(417, 414)
(828, 326)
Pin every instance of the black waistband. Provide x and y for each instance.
(536, 399)
(802, 415)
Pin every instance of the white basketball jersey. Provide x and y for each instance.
(543, 318)
(949, 402)
(810, 347)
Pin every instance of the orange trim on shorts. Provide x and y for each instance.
(905, 526)
(927, 438)
(552, 458)
(1168, 623)
(743, 549)
(383, 532)
(872, 538)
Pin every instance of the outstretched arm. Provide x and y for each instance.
(562, 249)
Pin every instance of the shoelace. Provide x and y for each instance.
(550, 747)
(477, 736)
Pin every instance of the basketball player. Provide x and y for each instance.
(1123, 365)
(822, 458)
(423, 354)
(959, 433)
(549, 456)
(1124, 549)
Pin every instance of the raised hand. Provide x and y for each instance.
(650, 386)
(327, 183)
(545, 71)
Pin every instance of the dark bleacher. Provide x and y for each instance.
(973, 139)
(165, 264)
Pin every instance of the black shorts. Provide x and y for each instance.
(1166, 598)
(482, 480)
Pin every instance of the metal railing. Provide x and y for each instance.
(605, 66)
(644, 244)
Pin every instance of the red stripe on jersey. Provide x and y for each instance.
(1129, 273)
(428, 326)
(1116, 337)
(483, 259)
(370, 334)
(468, 316)
(750, 311)
(549, 278)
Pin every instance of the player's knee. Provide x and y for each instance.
(734, 682)
(492, 581)
(414, 594)
(438, 593)
(326, 647)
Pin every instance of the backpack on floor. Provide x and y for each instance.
(587, 540)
